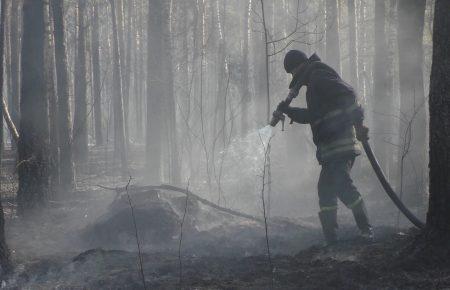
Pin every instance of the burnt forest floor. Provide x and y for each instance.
(350, 265)
(84, 241)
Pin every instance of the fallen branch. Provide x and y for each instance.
(193, 196)
(9, 122)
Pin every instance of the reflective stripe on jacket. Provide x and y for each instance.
(334, 114)
(345, 145)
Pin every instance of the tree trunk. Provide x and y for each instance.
(3, 63)
(96, 77)
(175, 167)
(333, 55)
(353, 48)
(392, 90)
(53, 104)
(66, 169)
(221, 100)
(439, 204)
(119, 126)
(410, 39)
(139, 78)
(5, 262)
(7, 82)
(155, 90)
(266, 62)
(80, 133)
(127, 68)
(245, 90)
(171, 107)
(124, 71)
(381, 101)
(362, 51)
(259, 79)
(34, 129)
(13, 99)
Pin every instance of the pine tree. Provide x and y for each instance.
(80, 132)
(412, 103)
(33, 144)
(438, 218)
(96, 76)
(64, 122)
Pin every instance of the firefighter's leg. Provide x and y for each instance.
(362, 220)
(351, 197)
(328, 206)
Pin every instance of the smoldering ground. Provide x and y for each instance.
(87, 239)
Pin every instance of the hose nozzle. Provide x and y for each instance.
(277, 116)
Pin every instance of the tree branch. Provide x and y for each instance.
(11, 126)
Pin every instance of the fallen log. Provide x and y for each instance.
(190, 194)
(149, 188)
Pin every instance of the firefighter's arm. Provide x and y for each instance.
(299, 115)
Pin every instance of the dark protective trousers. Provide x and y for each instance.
(335, 182)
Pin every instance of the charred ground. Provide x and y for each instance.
(86, 240)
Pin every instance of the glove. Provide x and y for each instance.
(293, 93)
(283, 107)
(362, 132)
(358, 115)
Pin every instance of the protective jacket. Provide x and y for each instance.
(332, 110)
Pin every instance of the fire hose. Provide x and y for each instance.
(388, 188)
(278, 116)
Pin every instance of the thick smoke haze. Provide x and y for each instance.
(135, 135)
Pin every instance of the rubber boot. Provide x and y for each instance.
(328, 219)
(362, 221)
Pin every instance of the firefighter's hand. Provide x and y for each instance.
(293, 93)
(362, 132)
(283, 107)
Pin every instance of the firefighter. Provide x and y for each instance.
(336, 121)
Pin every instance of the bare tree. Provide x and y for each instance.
(410, 46)
(139, 73)
(175, 167)
(438, 230)
(80, 132)
(245, 68)
(382, 102)
(49, 72)
(64, 121)
(13, 99)
(127, 68)
(333, 55)
(353, 47)
(5, 262)
(439, 212)
(34, 128)
(362, 51)
(124, 64)
(157, 14)
(95, 39)
(119, 124)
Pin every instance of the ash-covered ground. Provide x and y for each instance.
(87, 240)
(77, 244)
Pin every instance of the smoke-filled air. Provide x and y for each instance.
(225, 144)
